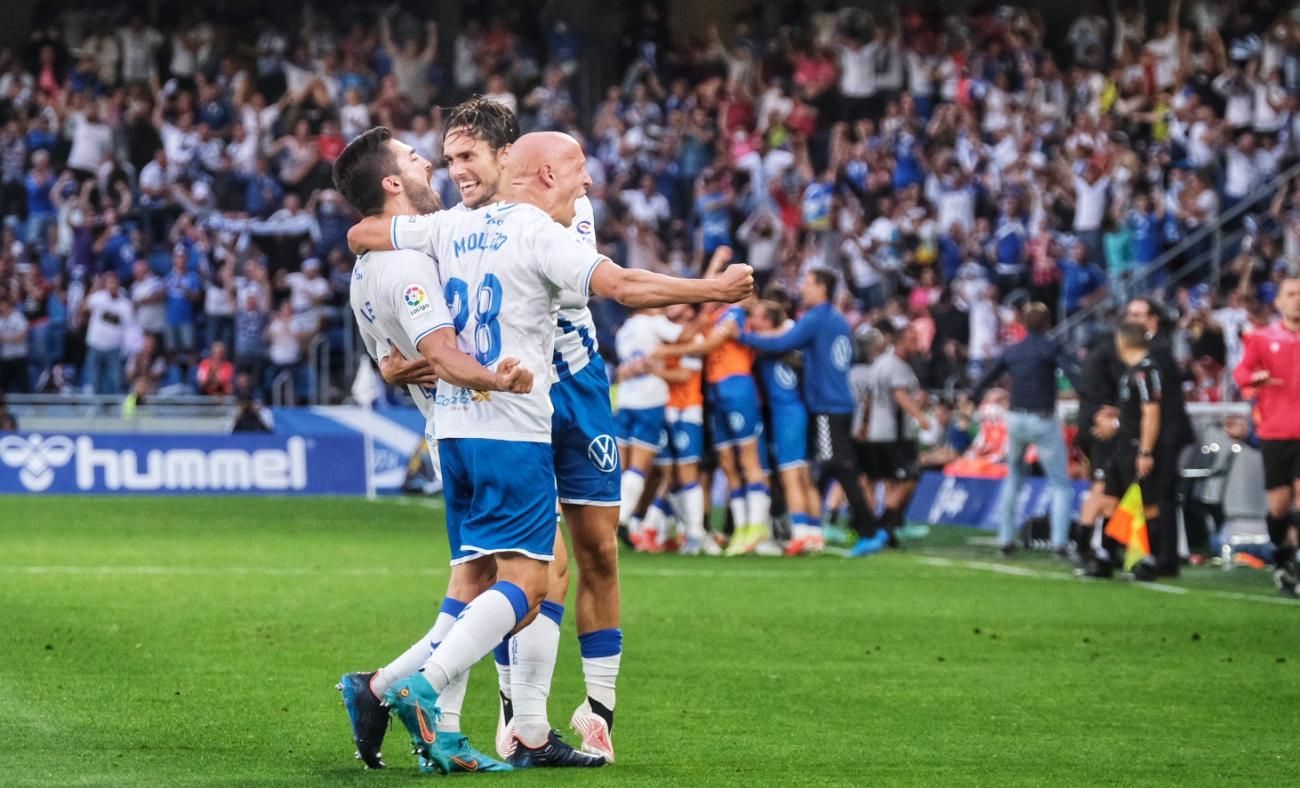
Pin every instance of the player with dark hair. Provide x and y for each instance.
(1270, 368)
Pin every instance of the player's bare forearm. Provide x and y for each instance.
(454, 366)
(371, 234)
(640, 289)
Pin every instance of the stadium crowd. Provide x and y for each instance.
(170, 225)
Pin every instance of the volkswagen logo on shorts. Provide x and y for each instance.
(603, 453)
(36, 458)
(736, 421)
(841, 352)
(681, 440)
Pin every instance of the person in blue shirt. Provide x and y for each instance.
(1144, 223)
(39, 183)
(713, 207)
(1081, 280)
(1009, 247)
(184, 289)
(787, 430)
(823, 335)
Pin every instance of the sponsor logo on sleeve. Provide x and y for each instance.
(417, 300)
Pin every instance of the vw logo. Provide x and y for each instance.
(603, 453)
(736, 421)
(785, 377)
(841, 352)
(36, 458)
(682, 440)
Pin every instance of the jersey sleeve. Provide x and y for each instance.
(584, 222)
(1147, 385)
(566, 262)
(417, 233)
(415, 295)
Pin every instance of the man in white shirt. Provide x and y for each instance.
(92, 142)
(13, 349)
(109, 314)
(1090, 193)
(646, 205)
(149, 297)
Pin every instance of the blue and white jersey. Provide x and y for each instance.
(503, 268)
(397, 298)
(575, 331)
(779, 379)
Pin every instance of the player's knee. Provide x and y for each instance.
(598, 564)
(558, 579)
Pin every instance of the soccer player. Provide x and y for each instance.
(396, 298)
(1271, 366)
(823, 335)
(788, 429)
(683, 441)
(514, 252)
(891, 451)
(642, 397)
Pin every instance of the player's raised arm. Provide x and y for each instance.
(385, 233)
(636, 288)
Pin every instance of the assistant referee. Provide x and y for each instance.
(1270, 366)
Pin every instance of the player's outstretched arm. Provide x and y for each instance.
(371, 234)
(454, 366)
(636, 288)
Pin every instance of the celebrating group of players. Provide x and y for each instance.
(746, 390)
(481, 312)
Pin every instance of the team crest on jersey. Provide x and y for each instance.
(603, 453)
(417, 301)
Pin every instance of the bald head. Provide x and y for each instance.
(549, 170)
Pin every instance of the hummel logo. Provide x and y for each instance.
(36, 457)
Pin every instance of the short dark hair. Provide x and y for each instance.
(775, 312)
(484, 119)
(361, 168)
(827, 279)
(1132, 335)
(1037, 317)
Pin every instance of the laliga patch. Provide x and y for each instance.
(417, 301)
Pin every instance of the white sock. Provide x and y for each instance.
(450, 701)
(655, 519)
(484, 623)
(602, 651)
(739, 518)
(632, 485)
(419, 652)
(501, 658)
(692, 510)
(759, 503)
(532, 663)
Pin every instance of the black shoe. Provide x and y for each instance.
(1286, 583)
(368, 716)
(1096, 568)
(1145, 573)
(1008, 550)
(554, 753)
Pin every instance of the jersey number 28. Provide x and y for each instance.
(487, 308)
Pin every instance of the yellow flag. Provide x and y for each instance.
(1128, 526)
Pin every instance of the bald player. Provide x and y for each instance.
(512, 255)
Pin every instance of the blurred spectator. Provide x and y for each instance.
(149, 297)
(108, 316)
(284, 348)
(215, 376)
(13, 347)
(184, 288)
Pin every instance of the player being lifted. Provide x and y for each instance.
(513, 253)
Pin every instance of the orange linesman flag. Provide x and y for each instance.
(1128, 526)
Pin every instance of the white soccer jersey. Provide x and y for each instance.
(575, 331)
(503, 268)
(397, 297)
(636, 339)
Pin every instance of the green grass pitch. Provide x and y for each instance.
(196, 642)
